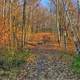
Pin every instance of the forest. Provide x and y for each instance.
(39, 33)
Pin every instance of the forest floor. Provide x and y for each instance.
(43, 65)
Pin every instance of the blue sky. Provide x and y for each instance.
(74, 2)
(45, 3)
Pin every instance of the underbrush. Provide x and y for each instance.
(13, 59)
(74, 60)
(11, 63)
(76, 64)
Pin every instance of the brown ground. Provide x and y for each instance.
(50, 41)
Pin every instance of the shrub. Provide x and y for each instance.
(13, 59)
(76, 64)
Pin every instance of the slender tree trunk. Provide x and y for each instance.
(74, 34)
(24, 22)
(57, 20)
(10, 24)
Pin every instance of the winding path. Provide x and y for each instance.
(48, 65)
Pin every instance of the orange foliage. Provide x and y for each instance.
(4, 32)
(52, 41)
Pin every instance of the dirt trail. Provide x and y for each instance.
(48, 65)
